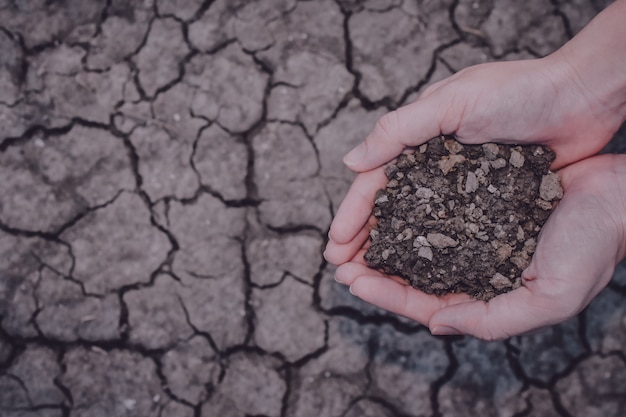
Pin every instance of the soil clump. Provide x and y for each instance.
(457, 218)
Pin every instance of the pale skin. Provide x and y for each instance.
(572, 101)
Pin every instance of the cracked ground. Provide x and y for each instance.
(168, 173)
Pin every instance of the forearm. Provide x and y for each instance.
(596, 59)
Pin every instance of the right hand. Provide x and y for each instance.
(517, 102)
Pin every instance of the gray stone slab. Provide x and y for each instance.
(548, 352)
(156, 315)
(595, 388)
(483, 384)
(285, 170)
(37, 369)
(229, 88)
(169, 311)
(293, 338)
(404, 367)
(20, 265)
(66, 313)
(221, 161)
(10, 69)
(42, 23)
(251, 386)
(314, 85)
(120, 35)
(114, 383)
(540, 403)
(89, 95)
(407, 42)
(116, 245)
(330, 383)
(18, 303)
(191, 369)
(159, 60)
(534, 25)
(165, 163)
(272, 256)
(53, 180)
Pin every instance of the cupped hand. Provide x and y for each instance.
(579, 246)
(530, 101)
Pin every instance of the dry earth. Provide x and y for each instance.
(168, 173)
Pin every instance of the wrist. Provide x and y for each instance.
(594, 61)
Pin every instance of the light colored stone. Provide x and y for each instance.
(425, 252)
(498, 163)
(516, 159)
(447, 163)
(500, 282)
(550, 188)
(471, 183)
(441, 241)
(491, 150)
(424, 192)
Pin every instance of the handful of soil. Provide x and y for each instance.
(459, 218)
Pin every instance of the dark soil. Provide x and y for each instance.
(459, 218)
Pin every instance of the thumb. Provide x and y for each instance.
(409, 125)
(506, 315)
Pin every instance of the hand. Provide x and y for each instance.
(533, 101)
(583, 240)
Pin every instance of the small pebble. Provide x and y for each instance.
(498, 163)
(471, 183)
(516, 159)
(440, 241)
(550, 188)
(500, 282)
(425, 252)
(491, 150)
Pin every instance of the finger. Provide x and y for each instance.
(396, 298)
(338, 254)
(409, 125)
(509, 314)
(434, 87)
(356, 208)
(347, 273)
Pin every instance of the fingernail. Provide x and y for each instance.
(324, 255)
(355, 155)
(444, 331)
(338, 280)
(351, 291)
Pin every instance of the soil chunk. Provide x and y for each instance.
(457, 218)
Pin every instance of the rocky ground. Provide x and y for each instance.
(168, 173)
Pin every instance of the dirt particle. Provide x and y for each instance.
(500, 282)
(498, 163)
(471, 183)
(491, 150)
(441, 241)
(550, 187)
(425, 252)
(446, 164)
(516, 159)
